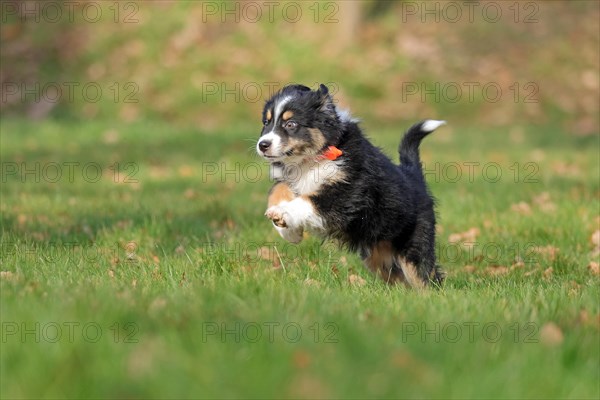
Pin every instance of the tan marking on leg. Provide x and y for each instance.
(278, 193)
(287, 115)
(295, 213)
(381, 261)
(410, 273)
(269, 115)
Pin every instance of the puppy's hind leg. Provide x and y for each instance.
(411, 273)
(381, 260)
(418, 261)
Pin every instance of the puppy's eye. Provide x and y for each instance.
(290, 125)
(265, 122)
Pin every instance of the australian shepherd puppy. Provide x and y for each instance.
(330, 180)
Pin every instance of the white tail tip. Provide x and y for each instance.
(431, 125)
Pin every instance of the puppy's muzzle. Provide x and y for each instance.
(264, 145)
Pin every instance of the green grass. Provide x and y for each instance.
(197, 296)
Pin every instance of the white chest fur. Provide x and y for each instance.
(308, 177)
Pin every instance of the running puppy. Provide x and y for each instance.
(332, 181)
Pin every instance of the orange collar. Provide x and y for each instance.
(332, 153)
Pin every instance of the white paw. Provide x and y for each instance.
(291, 235)
(277, 215)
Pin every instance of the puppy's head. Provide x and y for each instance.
(298, 124)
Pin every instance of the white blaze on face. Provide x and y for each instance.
(275, 149)
(279, 108)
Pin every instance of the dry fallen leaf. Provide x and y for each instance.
(595, 238)
(517, 265)
(111, 136)
(574, 288)
(454, 238)
(496, 270)
(594, 268)
(548, 272)
(157, 304)
(551, 334)
(7, 275)
(468, 236)
(312, 282)
(469, 269)
(521, 208)
(270, 254)
(533, 271)
(537, 155)
(301, 359)
(562, 168)
(365, 316)
(549, 251)
(543, 202)
(266, 253)
(185, 171)
(356, 280)
(189, 194)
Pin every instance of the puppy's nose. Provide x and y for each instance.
(263, 145)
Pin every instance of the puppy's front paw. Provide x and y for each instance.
(291, 235)
(276, 214)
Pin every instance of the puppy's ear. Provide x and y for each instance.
(323, 90)
(326, 101)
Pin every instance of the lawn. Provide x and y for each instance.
(136, 262)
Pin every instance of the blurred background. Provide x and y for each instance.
(131, 196)
(212, 64)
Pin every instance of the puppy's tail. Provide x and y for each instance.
(409, 147)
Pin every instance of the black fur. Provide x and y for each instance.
(312, 109)
(380, 201)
